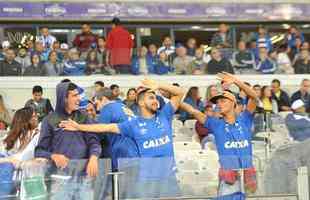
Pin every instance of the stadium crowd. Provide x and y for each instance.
(140, 125)
(43, 55)
(40, 131)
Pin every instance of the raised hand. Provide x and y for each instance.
(151, 84)
(226, 77)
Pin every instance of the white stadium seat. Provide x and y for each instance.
(190, 124)
(187, 146)
(177, 125)
(182, 138)
(197, 182)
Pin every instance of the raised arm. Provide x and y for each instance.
(176, 93)
(71, 125)
(201, 117)
(231, 79)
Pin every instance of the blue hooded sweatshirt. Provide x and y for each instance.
(55, 140)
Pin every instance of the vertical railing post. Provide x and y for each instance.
(115, 184)
(303, 183)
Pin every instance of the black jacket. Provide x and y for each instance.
(10, 69)
(34, 70)
(301, 68)
(283, 100)
(215, 67)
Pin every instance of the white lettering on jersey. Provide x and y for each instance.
(156, 142)
(236, 144)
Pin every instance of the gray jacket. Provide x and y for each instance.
(53, 70)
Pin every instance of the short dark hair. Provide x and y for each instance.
(102, 37)
(166, 36)
(247, 83)
(37, 89)
(254, 86)
(276, 81)
(116, 21)
(66, 80)
(142, 93)
(176, 84)
(11, 49)
(71, 87)
(104, 92)
(99, 83)
(113, 86)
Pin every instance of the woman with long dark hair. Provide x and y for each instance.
(36, 68)
(130, 97)
(20, 144)
(5, 115)
(23, 136)
(53, 67)
(269, 104)
(92, 61)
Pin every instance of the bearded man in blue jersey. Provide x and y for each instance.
(233, 137)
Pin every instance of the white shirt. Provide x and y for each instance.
(47, 41)
(28, 152)
(168, 51)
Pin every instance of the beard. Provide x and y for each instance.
(151, 109)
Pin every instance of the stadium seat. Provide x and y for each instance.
(177, 125)
(197, 183)
(186, 164)
(187, 146)
(182, 138)
(187, 131)
(190, 124)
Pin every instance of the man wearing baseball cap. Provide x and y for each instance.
(233, 135)
(298, 122)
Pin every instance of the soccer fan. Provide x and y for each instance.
(41, 105)
(233, 137)
(61, 146)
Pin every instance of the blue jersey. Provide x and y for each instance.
(233, 141)
(119, 146)
(154, 140)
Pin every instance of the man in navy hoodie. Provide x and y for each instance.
(61, 146)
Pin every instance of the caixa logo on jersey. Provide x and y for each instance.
(55, 10)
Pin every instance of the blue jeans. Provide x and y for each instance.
(76, 188)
